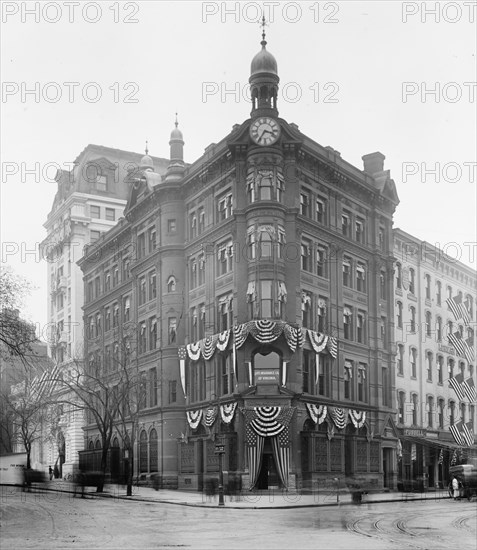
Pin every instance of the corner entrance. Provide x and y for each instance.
(268, 476)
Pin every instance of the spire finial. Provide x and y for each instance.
(176, 123)
(263, 24)
(147, 150)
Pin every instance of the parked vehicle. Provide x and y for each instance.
(466, 474)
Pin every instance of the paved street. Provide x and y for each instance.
(56, 520)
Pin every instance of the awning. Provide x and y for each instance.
(427, 442)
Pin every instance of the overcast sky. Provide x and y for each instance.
(359, 76)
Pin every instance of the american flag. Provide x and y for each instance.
(468, 433)
(457, 341)
(441, 457)
(456, 385)
(458, 308)
(454, 458)
(469, 350)
(469, 389)
(456, 431)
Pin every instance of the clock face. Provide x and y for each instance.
(265, 131)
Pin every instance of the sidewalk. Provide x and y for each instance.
(246, 499)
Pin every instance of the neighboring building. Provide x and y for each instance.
(425, 278)
(260, 280)
(90, 200)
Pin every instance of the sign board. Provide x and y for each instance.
(267, 376)
(415, 433)
(11, 468)
(219, 449)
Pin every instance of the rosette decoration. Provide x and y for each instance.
(339, 416)
(210, 416)
(194, 418)
(265, 331)
(227, 412)
(317, 412)
(358, 418)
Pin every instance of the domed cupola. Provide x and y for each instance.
(264, 81)
(146, 161)
(176, 168)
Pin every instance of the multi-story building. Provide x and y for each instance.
(260, 280)
(425, 279)
(89, 201)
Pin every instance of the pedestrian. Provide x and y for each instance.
(455, 488)
(50, 471)
(56, 472)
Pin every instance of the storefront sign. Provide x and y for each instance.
(267, 376)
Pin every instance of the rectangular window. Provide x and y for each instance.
(225, 252)
(225, 374)
(172, 324)
(152, 239)
(152, 333)
(308, 371)
(304, 204)
(385, 394)
(306, 258)
(141, 245)
(115, 275)
(360, 278)
(362, 394)
(95, 211)
(345, 224)
(359, 230)
(347, 272)
(101, 183)
(321, 261)
(320, 211)
(266, 299)
(152, 285)
(107, 281)
(323, 383)
(110, 214)
(171, 226)
(142, 290)
(360, 328)
(224, 207)
(126, 264)
(127, 308)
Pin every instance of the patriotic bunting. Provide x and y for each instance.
(339, 415)
(358, 418)
(317, 412)
(291, 337)
(240, 334)
(318, 341)
(227, 412)
(194, 418)
(265, 422)
(332, 346)
(223, 340)
(193, 351)
(182, 353)
(210, 416)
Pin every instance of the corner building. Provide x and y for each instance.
(260, 282)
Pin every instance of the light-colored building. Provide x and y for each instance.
(89, 201)
(425, 278)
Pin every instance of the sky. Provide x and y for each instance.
(388, 76)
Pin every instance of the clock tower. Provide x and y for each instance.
(264, 82)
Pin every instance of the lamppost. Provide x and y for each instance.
(126, 472)
(220, 450)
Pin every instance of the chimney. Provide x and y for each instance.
(373, 162)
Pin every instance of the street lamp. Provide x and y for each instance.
(221, 451)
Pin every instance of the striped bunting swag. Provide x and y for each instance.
(227, 412)
(468, 433)
(194, 418)
(456, 431)
(240, 334)
(193, 350)
(339, 416)
(290, 336)
(332, 346)
(317, 412)
(210, 416)
(358, 418)
(223, 340)
(457, 342)
(318, 341)
(265, 331)
(207, 346)
(469, 389)
(456, 384)
(265, 424)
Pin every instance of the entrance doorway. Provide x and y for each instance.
(268, 476)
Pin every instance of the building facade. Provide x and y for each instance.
(425, 279)
(253, 292)
(89, 201)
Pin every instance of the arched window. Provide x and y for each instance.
(153, 452)
(267, 365)
(115, 443)
(143, 452)
(171, 284)
(398, 275)
(91, 446)
(98, 444)
(429, 365)
(428, 323)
